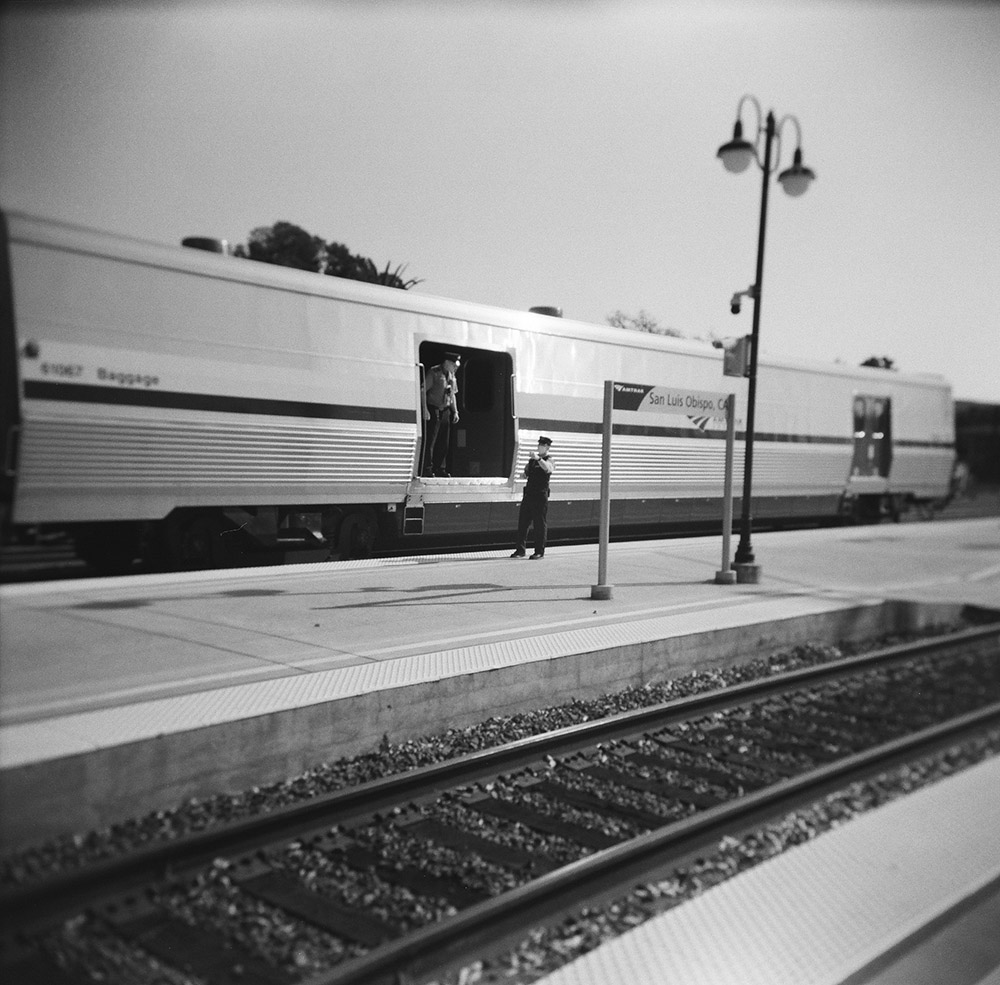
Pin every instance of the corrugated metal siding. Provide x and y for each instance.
(689, 464)
(132, 453)
(926, 471)
(781, 468)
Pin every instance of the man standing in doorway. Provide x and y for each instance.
(440, 400)
(535, 500)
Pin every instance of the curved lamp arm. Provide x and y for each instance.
(748, 97)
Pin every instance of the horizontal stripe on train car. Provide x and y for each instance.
(588, 427)
(646, 431)
(91, 394)
(913, 443)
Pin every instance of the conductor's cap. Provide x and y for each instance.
(453, 356)
(544, 441)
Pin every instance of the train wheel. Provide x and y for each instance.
(357, 535)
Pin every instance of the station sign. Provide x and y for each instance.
(670, 400)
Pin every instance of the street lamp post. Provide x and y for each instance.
(736, 156)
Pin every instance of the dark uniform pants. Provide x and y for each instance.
(534, 512)
(438, 439)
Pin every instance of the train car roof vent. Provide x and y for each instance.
(206, 243)
(545, 309)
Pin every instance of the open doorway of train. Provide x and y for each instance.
(482, 443)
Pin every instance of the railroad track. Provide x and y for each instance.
(397, 879)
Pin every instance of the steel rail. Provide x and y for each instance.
(47, 900)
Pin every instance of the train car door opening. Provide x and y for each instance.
(482, 443)
(872, 436)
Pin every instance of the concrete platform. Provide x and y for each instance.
(120, 696)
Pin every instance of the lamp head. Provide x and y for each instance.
(796, 179)
(738, 153)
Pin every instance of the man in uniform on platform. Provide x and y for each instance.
(440, 399)
(535, 500)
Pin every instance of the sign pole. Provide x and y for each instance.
(602, 590)
(727, 576)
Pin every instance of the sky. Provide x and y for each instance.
(532, 152)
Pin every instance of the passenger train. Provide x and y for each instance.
(201, 410)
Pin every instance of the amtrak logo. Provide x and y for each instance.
(629, 396)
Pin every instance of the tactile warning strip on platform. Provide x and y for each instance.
(68, 734)
(825, 910)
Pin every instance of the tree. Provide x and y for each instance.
(289, 245)
(642, 322)
(879, 362)
(284, 244)
(340, 262)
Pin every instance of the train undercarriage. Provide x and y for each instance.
(204, 538)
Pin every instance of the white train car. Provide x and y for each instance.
(196, 407)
